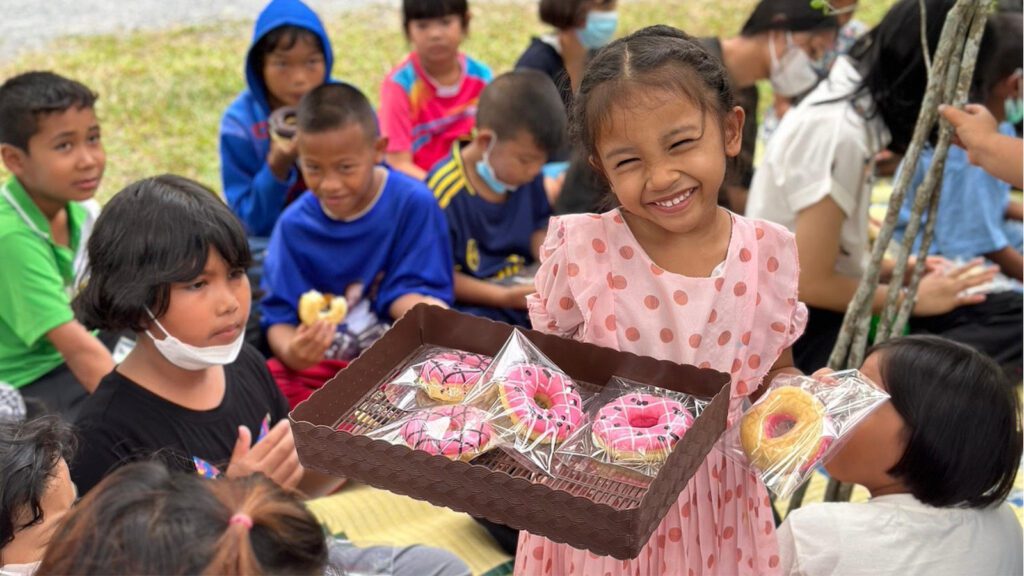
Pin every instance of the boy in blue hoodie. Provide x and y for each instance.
(290, 55)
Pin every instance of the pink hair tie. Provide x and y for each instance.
(243, 519)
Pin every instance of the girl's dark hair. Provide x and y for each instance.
(155, 233)
(788, 15)
(29, 452)
(963, 421)
(1003, 44)
(425, 9)
(565, 14)
(143, 519)
(892, 63)
(657, 57)
(282, 38)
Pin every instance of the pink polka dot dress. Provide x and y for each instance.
(597, 285)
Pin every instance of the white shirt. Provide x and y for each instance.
(824, 147)
(897, 534)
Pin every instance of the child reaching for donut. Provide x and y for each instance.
(671, 275)
(939, 459)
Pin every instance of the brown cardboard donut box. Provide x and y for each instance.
(604, 515)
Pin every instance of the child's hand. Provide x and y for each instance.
(515, 296)
(274, 456)
(309, 344)
(974, 125)
(940, 292)
(282, 156)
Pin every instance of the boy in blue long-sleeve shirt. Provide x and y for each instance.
(360, 224)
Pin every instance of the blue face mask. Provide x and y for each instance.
(599, 29)
(1014, 110)
(484, 169)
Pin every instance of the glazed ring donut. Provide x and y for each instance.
(767, 441)
(283, 122)
(640, 427)
(542, 400)
(458, 432)
(449, 376)
(315, 306)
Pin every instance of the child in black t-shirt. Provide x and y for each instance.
(167, 260)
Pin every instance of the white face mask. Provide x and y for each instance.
(188, 357)
(793, 73)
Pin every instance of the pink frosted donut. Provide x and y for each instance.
(456, 432)
(449, 376)
(640, 427)
(542, 400)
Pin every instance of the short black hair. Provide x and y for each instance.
(26, 97)
(1002, 42)
(963, 419)
(154, 233)
(29, 452)
(788, 15)
(524, 100)
(425, 9)
(281, 38)
(336, 105)
(566, 14)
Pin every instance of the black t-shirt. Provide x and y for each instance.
(123, 421)
(543, 57)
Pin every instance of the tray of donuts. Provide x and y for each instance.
(483, 418)
(798, 423)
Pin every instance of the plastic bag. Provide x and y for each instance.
(434, 376)
(457, 432)
(798, 423)
(632, 426)
(534, 406)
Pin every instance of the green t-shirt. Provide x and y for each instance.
(36, 282)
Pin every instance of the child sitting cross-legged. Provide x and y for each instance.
(492, 192)
(360, 228)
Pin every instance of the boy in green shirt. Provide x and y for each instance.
(50, 142)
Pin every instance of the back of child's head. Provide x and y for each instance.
(154, 233)
(144, 519)
(1002, 42)
(789, 16)
(523, 101)
(567, 14)
(656, 58)
(963, 427)
(29, 453)
(27, 97)
(334, 106)
(427, 9)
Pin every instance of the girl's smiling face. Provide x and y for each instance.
(664, 157)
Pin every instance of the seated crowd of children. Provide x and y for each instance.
(166, 326)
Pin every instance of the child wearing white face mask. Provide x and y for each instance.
(168, 260)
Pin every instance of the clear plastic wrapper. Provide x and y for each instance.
(798, 423)
(631, 426)
(434, 376)
(534, 406)
(457, 432)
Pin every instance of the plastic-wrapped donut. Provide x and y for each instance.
(640, 427)
(455, 432)
(448, 376)
(785, 428)
(541, 401)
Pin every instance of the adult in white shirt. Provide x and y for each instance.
(938, 458)
(815, 179)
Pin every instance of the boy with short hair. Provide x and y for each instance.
(50, 142)
(290, 55)
(492, 192)
(359, 225)
(429, 100)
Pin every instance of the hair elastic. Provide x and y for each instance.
(243, 519)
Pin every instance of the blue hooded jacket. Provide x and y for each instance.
(255, 195)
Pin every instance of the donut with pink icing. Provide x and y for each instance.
(640, 427)
(455, 432)
(449, 376)
(542, 401)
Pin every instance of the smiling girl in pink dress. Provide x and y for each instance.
(671, 275)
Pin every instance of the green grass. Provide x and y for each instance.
(162, 93)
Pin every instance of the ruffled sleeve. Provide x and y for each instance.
(554, 307)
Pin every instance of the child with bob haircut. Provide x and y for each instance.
(50, 142)
(167, 260)
(290, 54)
(492, 193)
(939, 459)
(360, 224)
(429, 100)
(35, 489)
(670, 274)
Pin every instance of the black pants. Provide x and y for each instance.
(995, 327)
(507, 538)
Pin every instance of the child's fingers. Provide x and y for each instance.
(278, 454)
(296, 476)
(272, 439)
(241, 449)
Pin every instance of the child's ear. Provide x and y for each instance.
(14, 158)
(380, 148)
(484, 138)
(732, 131)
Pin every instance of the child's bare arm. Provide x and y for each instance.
(86, 357)
(303, 346)
(405, 303)
(483, 293)
(402, 161)
(1009, 261)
